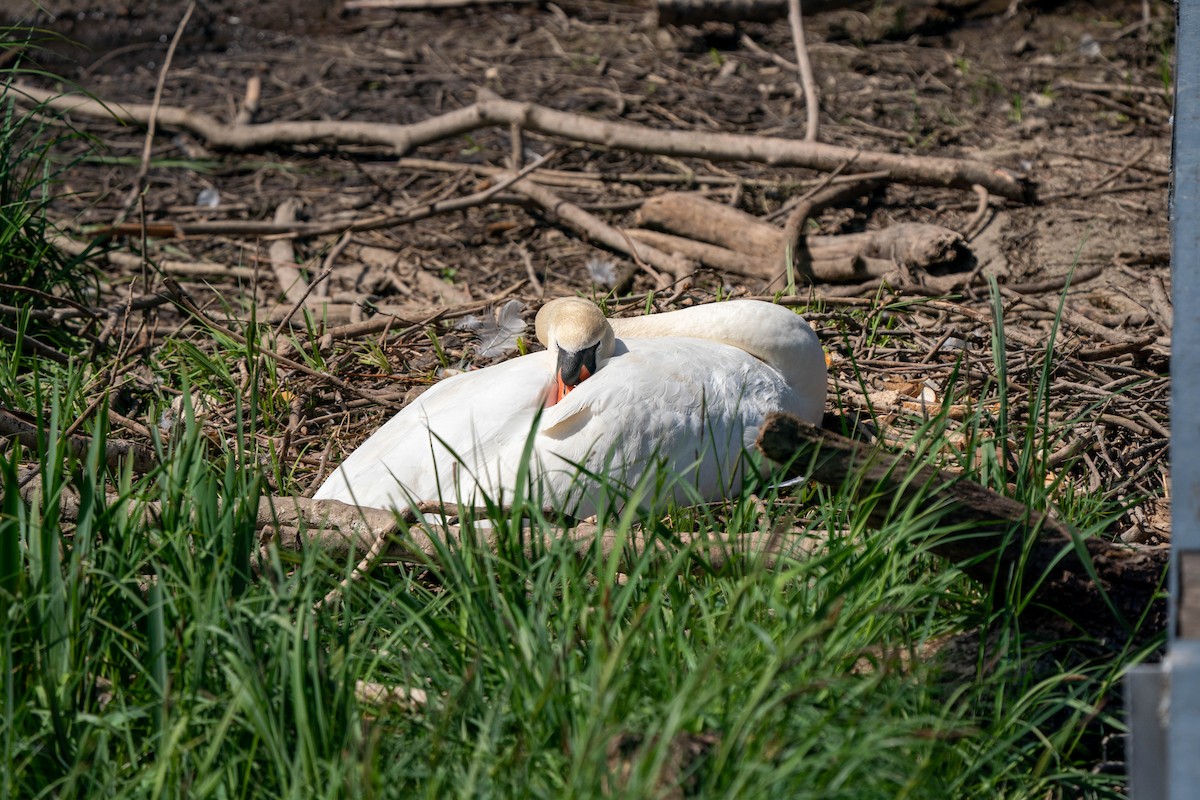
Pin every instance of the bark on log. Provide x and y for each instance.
(844, 268)
(1069, 573)
(846, 257)
(339, 529)
(19, 427)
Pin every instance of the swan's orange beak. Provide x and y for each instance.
(574, 367)
(562, 388)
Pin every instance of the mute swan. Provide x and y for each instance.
(685, 388)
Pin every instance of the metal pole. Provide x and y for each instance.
(1164, 700)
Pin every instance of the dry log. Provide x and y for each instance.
(847, 268)
(339, 529)
(918, 170)
(849, 257)
(694, 216)
(1073, 575)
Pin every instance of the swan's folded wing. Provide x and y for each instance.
(691, 405)
(446, 441)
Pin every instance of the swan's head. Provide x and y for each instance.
(576, 331)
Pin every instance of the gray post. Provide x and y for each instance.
(1164, 700)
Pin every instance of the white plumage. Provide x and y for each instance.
(687, 389)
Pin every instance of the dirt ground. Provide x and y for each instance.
(1071, 94)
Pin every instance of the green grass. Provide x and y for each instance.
(152, 655)
(31, 269)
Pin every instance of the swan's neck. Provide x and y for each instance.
(769, 333)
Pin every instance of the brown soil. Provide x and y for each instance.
(1006, 88)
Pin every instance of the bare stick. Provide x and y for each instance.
(918, 170)
(169, 266)
(32, 346)
(413, 213)
(20, 427)
(807, 83)
(283, 257)
(152, 116)
(326, 271)
(976, 223)
(250, 101)
(532, 273)
(408, 318)
(599, 231)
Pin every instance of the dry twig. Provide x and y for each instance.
(807, 83)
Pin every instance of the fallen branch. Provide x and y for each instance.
(917, 170)
(808, 83)
(600, 232)
(753, 248)
(340, 529)
(283, 257)
(168, 266)
(843, 268)
(1073, 574)
(238, 227)
(793, 251)
(20, 427)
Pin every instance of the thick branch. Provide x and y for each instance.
(20, 427)
(997, 536)
(919, 170)
(600, 232)
(844, 267)
(748, 246)
(294, 523)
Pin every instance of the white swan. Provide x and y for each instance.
(687, 389)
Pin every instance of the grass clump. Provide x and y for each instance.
(149, 650)
(36, 275)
